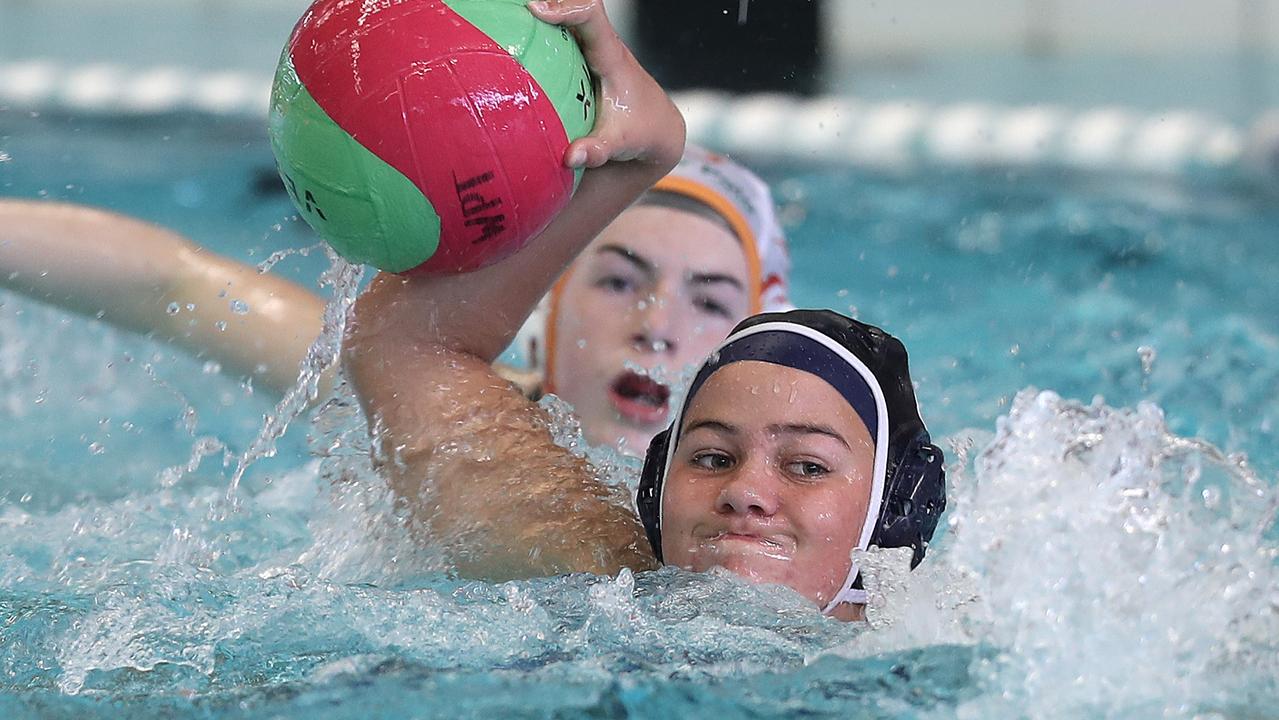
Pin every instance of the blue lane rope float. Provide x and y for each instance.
(892, 135)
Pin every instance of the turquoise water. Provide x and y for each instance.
(1102, 558)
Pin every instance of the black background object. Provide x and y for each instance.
(689, 44)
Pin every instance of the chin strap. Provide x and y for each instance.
(849, 594)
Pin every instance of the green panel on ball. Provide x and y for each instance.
(548, 52)
(366, 209)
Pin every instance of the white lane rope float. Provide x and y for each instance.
(891, 135)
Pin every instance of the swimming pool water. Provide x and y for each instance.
(1097, 563)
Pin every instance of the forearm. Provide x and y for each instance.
(257, 325)
(144, 278)
(86, 260)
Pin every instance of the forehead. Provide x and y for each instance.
(753, 395)
(672, 239)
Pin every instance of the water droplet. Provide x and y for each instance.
(581, 344)
(239, 307)
(96, 448)
(220, 325)
(173, 309)
(212, 367)
(1148, 356)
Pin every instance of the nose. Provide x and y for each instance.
(657, 329)
(751, 490)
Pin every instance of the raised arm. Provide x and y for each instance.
(131, 273)
(471, 457)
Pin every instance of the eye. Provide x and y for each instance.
(712, 460)
(615, 284)
(712, 306)
(807, 469)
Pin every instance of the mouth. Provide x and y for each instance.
(744, 537)
(773, 546)
(639, 399)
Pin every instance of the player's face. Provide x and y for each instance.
(650, 297)
(771, 480)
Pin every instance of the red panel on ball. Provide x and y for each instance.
(438, 100)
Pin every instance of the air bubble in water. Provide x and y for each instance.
(173, 308)
(220, 325)
(239, 307)
(96, 448)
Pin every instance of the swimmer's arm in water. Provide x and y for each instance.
(470, 456)
(129, 272)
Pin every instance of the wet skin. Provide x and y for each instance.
(777, 494)
(658, 289)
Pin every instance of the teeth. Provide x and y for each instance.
(643, 390)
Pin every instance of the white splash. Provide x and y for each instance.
(1115, 568)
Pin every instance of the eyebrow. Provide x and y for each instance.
(785, 428)
(715, 425)
(647, 267)
(810, 429)
(641, 263)
(714, 278)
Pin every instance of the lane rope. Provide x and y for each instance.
(891, 135)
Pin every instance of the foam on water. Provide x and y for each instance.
(1118, 569)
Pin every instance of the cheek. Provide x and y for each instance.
(581, 338)
(833, 519)
(683, 503)
(707, 332)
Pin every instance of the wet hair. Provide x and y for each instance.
(684, 203)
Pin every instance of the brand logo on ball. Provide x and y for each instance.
(473, 203)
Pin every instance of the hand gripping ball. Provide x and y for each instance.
(428, 136)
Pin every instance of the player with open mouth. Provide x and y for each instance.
(654, 292)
